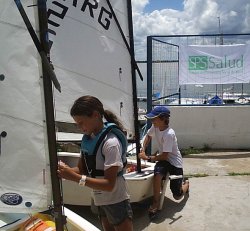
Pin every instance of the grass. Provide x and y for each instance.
(229, 174)
(239, 174)
(192, 150)
(197, 175)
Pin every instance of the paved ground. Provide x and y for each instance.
(218, 163)
(217, 202)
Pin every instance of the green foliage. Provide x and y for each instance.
(192, 150)
(206, 148)
(239, 173)
(197, 175)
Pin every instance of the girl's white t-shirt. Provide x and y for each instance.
(112, 150)
(167, 142)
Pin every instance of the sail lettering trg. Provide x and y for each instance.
(90, 7)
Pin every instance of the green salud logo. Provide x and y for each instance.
(198, 63)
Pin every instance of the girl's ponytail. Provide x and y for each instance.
(112, 118)
(86, 105)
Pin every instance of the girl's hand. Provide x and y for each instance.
(62, 164)
(64, 171)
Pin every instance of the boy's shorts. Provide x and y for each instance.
(164, 167)
(116, 213)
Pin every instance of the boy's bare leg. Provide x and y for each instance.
(185, 187)
(157, 191)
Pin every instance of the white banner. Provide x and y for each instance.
(216, 64)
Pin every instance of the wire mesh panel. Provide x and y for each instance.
(163, 71)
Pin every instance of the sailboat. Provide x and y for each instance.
(100, 63)
(28, 162)
(90, 45)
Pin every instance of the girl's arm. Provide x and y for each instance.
(104, 184)
(81, 166)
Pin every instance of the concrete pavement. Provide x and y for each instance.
(217, 163)
(217, 202)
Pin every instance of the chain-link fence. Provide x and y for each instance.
(163, 67)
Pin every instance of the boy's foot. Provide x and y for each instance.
(152, 212)
(186, 181)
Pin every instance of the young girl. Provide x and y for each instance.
(109, 189)
(169, 159)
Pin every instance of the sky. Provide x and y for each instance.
(176, 17)
(163, 4)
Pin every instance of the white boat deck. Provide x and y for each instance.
(139, 184)
(68, 137)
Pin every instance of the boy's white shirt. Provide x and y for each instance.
(167, 142)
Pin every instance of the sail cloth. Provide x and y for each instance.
(215, 64)
(24, 164)
(90, 56)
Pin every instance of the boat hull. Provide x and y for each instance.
(139, 184)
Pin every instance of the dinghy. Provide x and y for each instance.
(30, 193)
(92, 53)
(140, 184)
(90, 45)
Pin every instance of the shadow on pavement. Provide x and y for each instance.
(170, 208)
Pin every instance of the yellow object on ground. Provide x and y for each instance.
(39, 222)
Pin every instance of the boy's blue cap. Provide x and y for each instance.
(159, 110)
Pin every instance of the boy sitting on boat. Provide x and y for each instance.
(169, 159)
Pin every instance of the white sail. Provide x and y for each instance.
(90, 56)
(25, 184)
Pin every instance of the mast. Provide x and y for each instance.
(50, 120)
(136, 121)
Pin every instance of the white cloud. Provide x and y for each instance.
(198, 17)
(139, 5)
